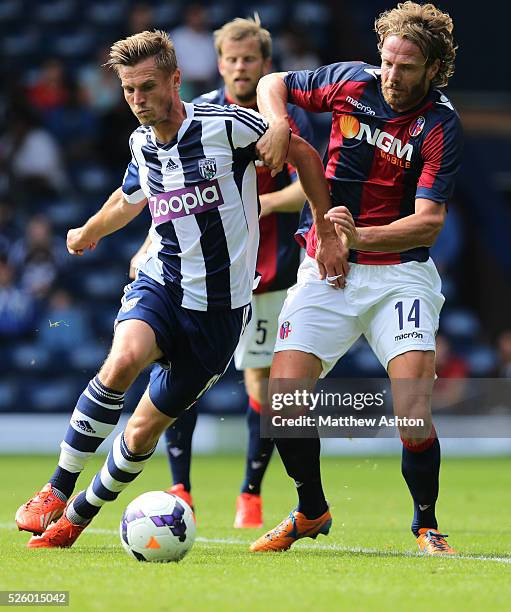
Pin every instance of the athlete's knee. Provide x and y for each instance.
(122, 367)
(141, 434)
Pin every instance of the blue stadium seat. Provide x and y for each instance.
(92, 179)
(65, 214)
(311, 14)
(107, 13)
(460, 324)
(106, 284)
(220, 13)
(31, 357)
(21, 44)
(88, 356)
(55, 11)
(55, 395)
(9, 394)
(74, 44)
(10, 11)
(273, 15)
(482, 361)
(167, 15)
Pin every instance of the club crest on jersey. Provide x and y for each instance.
(285, 330)
(207, 168)
(417, 126)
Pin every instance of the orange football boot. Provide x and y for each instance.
(179, 491)
(249, 511)
(61, 534)
(432, 542)
(292, 528)
(40, 511)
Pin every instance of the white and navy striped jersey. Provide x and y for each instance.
(202, 193)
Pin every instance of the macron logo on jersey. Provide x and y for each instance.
(360, 106)
(184, 202)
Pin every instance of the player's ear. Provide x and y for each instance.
(267, 66)
(220, 66)
(176, 79)
(433, 69)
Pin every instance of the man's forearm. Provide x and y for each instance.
(312, 179)
(272, 98)
(408, 233)
(114, 214)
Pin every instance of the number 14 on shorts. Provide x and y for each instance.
(413, 315)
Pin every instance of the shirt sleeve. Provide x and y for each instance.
(441, 152)
(316, 90)
(131, 188)
(247, 127)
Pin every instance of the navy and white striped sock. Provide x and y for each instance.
(120, 468)
(95, 416)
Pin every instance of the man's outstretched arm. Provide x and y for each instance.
(115, 213)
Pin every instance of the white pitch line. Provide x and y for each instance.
(327, 547)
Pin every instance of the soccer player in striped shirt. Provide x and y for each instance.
(193, 166)
(394, 152)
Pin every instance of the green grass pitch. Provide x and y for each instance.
(368, 562)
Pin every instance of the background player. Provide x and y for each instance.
(190, 302)
(394, 151)
(244, 56)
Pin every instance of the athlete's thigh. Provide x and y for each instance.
(406, 317)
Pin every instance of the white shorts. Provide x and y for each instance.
(396, 307)
(255, 348)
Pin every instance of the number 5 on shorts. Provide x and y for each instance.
(413, 315)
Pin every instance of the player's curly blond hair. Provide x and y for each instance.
(239, 29)
(427, 27)
(134, 49)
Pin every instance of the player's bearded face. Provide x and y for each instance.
(405, 77)
(241, 65)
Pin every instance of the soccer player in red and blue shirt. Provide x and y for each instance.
(394, 151)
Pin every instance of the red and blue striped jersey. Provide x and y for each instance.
(278, 257)
(378, 161)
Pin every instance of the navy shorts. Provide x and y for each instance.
(197, 345)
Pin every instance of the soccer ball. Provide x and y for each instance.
(157, 526)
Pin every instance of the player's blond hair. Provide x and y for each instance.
(427, 27)
(134, 49)
(239, 29)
